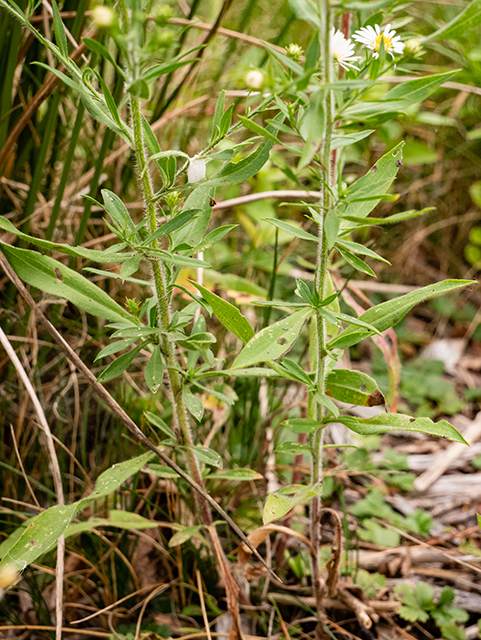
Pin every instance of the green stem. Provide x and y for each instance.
(181, 419)
(319, 334)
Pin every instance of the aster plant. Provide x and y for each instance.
(320, 103)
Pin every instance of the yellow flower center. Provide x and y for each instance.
(387, 42)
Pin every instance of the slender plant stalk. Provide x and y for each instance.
(180, 415)
(319, 334)
(181, 419)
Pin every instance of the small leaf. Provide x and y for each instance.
(154, 371)
(130, 266)
(294, 231)
(194, 405)
(185, 534)
(256, 128)
(229, 315)
(294, 448)
(238, 475)
(119, 365)
(356, 262)
(278, 505)
(206, 455)
(303, 425)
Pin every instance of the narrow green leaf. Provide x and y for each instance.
(154, 371)
(399, 422)
(160, 424)
(119, 365)
(294, 231)
(387, 314)
(130, 266)
(110, 349)
(356, 262)
(303, 425)
(219, 112)
(98, 48)
(58, 28)
(274, 341)
(326, 402)
(378, 179)
(355, 247)
(338, 142)
(214, 237)
(117, 210)
(117, 518)
(256, 128)
(397, 217)
(175, 223)
(230, 316)
(206, 455)
(193, 404)
(414, 91)
(184, 535)
(238, 475)
(294, 448)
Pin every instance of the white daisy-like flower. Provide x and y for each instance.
(373, 36)
(342, 50)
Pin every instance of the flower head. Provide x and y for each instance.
(103, 17)
(342, 50)
(254, 79)
(373, 36)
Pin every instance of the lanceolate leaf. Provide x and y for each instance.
(78, 252)
(274, 341)
(387, 314)
(469, 18)
(55, 278)
(353, 387)
(294, 231)
(414, 91)
(48, 526)
(399, 422)
(230, 316)
(377, 180)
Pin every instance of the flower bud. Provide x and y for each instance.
(103, 17)
(254, 79)
(196, 170)
(162, 14)
(413, 48)
(294, 51)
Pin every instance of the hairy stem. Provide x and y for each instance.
(181, 419)
(318, 344)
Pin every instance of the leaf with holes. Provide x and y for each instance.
(274, 341)
(354, 387)
(279, 504)
(399, 422)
